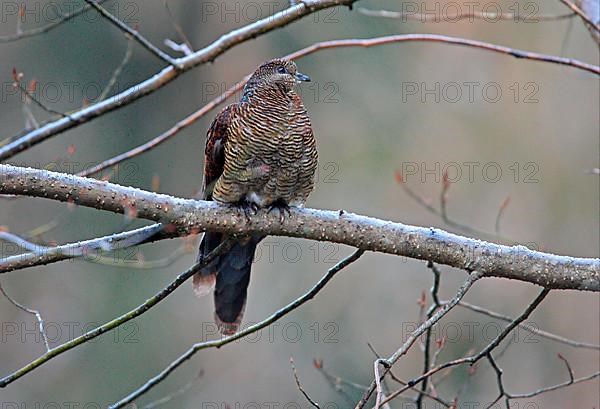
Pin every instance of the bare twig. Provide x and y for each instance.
(460, 15)
(151, 302)
(389, 362)
(21, 242)
(427, 347)
(174, 130)
(29, 96)
(581, 14)
(241, 334)
(508, 396)
(184, 123)
(168, 74)
(336, 382)
(528, 327)
(403, 382)
(473, 359)
(499, 382)
(299, 385)
(133, 33)
(41, 255)
(40, 30)
(117, 72)
(192, 216)
(31, 311)
(176, 394)
(500, 213)
(442, 215)
(187, 45)
(555, 387)
(435, 38)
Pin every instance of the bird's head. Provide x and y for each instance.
(277, 72)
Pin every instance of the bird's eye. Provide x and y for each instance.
(281, 70)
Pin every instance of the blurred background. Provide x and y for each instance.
(507, 131)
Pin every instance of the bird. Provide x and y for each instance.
(260, 153)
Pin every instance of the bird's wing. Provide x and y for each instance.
(214, 152)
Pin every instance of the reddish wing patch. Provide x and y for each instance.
(214, 152)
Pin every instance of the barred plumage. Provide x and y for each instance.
(259, 152)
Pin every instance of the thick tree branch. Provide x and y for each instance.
(191, 216)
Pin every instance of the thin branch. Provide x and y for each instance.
(435, 38)
(403, 382)
(117, 72)
(31, 311)
(42, 255)
(241, 334)
(20, 242)
(176, 394)
(168, 74)
(187, 45)
(174, 130)
(389, 362)
(555, 387)
(460, 15)
(47, 27)
(28, 95)
(529, 328)
(568, 365)
(427, 347)
(141, 264)
(447, 220)
(189, 120)
(186, 216)
(151, 302)
(444, 196)
(581, 14)
(336, 382)
(472, 359)
(508, 396)
(300, 388)
(501, 388)
(508, 329)
(133, 33)
(500, 213)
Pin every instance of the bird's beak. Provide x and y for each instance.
(302, 78)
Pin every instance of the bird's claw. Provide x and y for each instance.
(248, 208)
(282, 207)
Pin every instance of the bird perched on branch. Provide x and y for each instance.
(260, 153)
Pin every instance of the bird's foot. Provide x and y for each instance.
(248, 208)
(283, 208)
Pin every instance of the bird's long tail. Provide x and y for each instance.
(229, 275)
